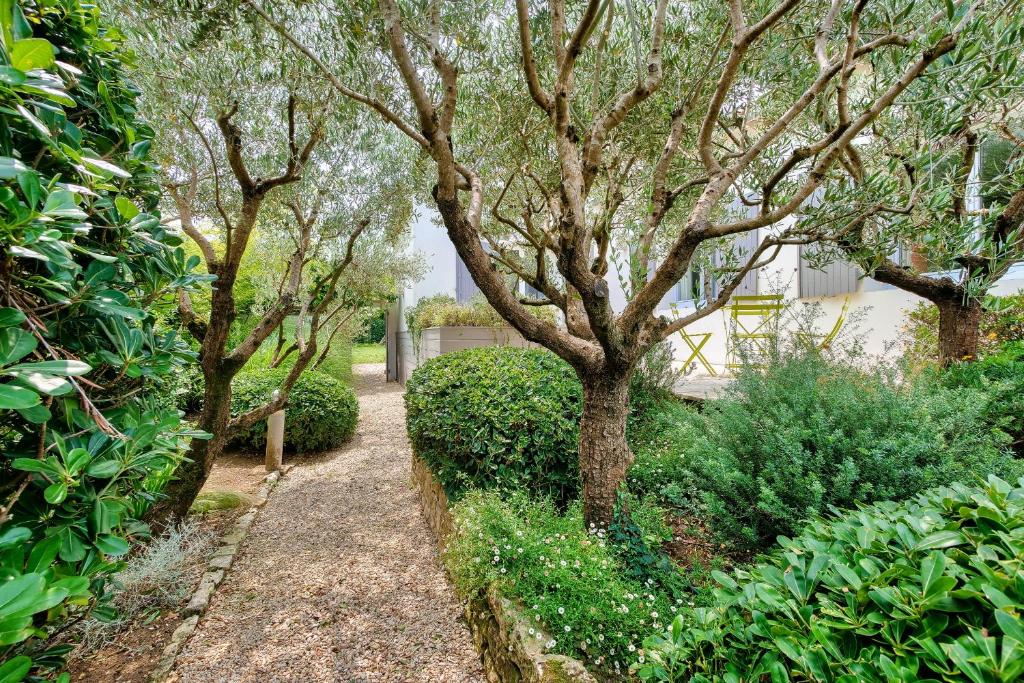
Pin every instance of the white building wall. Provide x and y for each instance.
(430, 240)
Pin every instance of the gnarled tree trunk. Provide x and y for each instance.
(605, 455)
(192, 473)
(959, 330)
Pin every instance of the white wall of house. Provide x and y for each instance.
(880, 309)
(430, 240)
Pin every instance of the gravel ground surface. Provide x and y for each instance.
(339, 579)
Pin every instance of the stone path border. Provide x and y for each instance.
(218, 566)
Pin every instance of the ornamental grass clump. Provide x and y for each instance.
(931, 589)
(570, 583)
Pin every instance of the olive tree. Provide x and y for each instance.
(566, 126)
(937, 216)
(254, 157)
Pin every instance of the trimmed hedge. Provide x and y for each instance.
(497, 417)
(927, 590)
(321, 411)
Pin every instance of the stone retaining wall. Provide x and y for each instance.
(508, 652)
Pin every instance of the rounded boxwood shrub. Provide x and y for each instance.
(497, 417)
(927, 590)
(321, 413)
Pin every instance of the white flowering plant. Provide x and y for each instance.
(570, 582)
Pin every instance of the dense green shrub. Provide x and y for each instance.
(1000, 376)
(497, 417)
(571, 584)
(321, 412)
(84, 444)
(805, 433)
(926, 590)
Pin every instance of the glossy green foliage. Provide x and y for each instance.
(927, 590)
(84, 265)
(497, 417)
(321, 412)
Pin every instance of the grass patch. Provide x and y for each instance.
(368, 353)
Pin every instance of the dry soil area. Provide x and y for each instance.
(338, 579)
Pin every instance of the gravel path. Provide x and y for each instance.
(338, 579)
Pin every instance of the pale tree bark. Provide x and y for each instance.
(564, 223)
(219, 363)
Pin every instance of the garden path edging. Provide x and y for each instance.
(216, 569)
(500, 631)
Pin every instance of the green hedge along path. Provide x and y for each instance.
(338, 578)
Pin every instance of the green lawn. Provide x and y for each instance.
(367, 353)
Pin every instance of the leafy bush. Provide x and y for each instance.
(1000, 376)
(571, 584)
(1002, 321)
(662, 443)
(497, 417)
(442, 310)
(925, 590)
(85, 446)
(806, 433)
(321, 412)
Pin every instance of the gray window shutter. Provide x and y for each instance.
(746, 243)
(465, 288)
(838, 277)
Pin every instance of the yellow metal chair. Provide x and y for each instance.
(753, 319)
(696, 342)
(825, 340)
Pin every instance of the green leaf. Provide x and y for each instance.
(36, 414)
(15, 669)
(940, 539)
(10, 168)
(63, 204)
(13, 397)
(32, 53)
(105, 167)
(103, 469)
(126, 208)
(9, 317)
(15, 344)
(112, 545)
(14, 535)
(63, 368)
(56, 493)
(931, 569)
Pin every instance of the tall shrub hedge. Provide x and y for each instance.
(497, 417)
(84, 267)
(927, 590)
(321, 413)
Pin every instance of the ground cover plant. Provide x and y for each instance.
(321, 413)
(924, 590)
(87, 442)
(573, 585)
